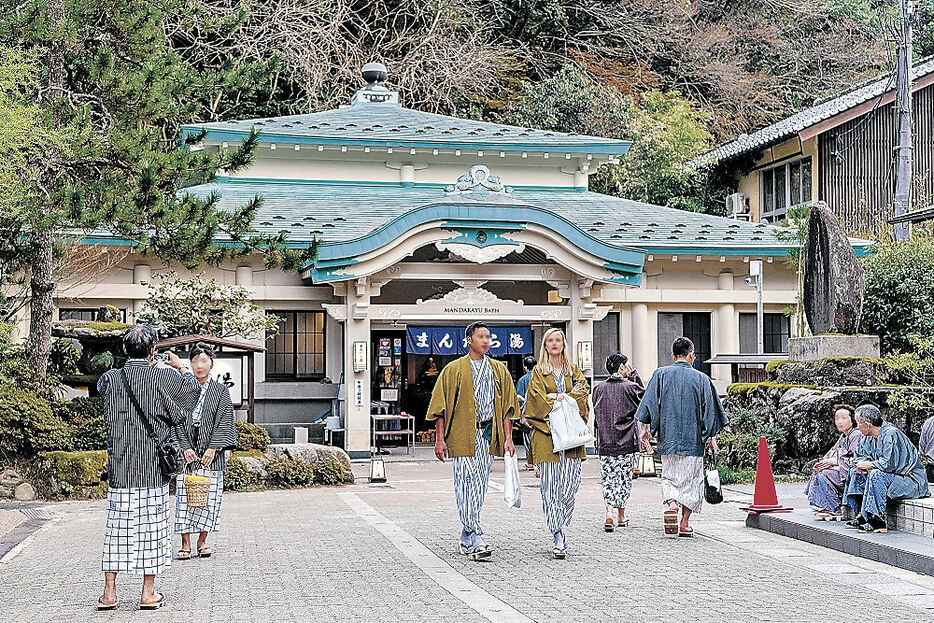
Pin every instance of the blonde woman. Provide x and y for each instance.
(554, 379)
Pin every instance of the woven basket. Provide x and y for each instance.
(197, 488)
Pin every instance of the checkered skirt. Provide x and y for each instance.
(137, 538)
(207, 519)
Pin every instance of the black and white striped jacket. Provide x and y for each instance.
(132, 461)
(217, 429)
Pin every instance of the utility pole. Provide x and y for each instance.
(903, 106)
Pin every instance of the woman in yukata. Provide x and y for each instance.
(204, 435)
(825, 489)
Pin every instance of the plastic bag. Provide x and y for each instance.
(512, 492)
(568, 429)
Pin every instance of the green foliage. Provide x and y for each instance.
(330, 471)
(772, 367)
(730, 476)
(201, 306)
(28, 426)
(924, 29)
(899, 292)
(72, 474)
(739, 443)
(85, 420)
(571, 101)
(289, 473)
(915, 368)
(237, 476)
(665, 129)
(63, 358)
(251, 437)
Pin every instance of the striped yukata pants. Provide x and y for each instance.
(471, 476)
(683, 480)
(559, 483)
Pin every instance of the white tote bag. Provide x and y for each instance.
(568, 429)
(511, 489)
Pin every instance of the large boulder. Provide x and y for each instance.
(310, 452)
(833, 278)
(24, 492)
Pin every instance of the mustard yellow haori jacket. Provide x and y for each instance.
(538, 406)
(453, 400)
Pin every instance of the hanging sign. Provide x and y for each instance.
(451, 341)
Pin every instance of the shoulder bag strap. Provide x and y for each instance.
(142, 415)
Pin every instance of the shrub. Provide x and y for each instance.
(730, 476)
(28, 426)
(290, 473)
(251, 437)
(740, 442)
(899, 292)
(72, 474)
(64, 357)
(330, 471)
(237, 476)
(85, 419)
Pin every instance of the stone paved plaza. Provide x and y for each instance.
(387, 553)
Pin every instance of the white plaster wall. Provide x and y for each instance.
(378, 166)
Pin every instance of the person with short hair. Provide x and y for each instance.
(205, 436)
(472, 405)
(886, 467)
(615, 402)
(825, 488)
(685, 414)
(144, 394)
(522, 388)
(554, 379)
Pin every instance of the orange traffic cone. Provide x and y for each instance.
(764, 499)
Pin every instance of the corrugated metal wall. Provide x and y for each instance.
(859, 185)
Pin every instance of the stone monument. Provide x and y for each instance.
(833, 294)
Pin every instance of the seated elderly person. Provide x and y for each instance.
(926, 447)
(886, 467)
(825, 489)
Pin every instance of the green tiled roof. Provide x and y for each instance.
(391, 125)
(338, 213)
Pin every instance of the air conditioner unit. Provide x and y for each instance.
(737, 206)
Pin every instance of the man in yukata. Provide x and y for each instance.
(886, 467)
(473, 405)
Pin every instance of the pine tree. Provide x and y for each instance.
(111, 77)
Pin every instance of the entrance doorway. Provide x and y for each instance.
(693, 325)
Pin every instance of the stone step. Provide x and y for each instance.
(912, 516)
(905, 550)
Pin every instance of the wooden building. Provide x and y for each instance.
(841, 150)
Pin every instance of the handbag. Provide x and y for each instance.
(568, 429)
(171, 457)
(713, 493)
(645, 462)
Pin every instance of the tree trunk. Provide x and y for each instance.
(41, 305)
(41, 284)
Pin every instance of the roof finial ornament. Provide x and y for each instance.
(374, 73)
(374, 93)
